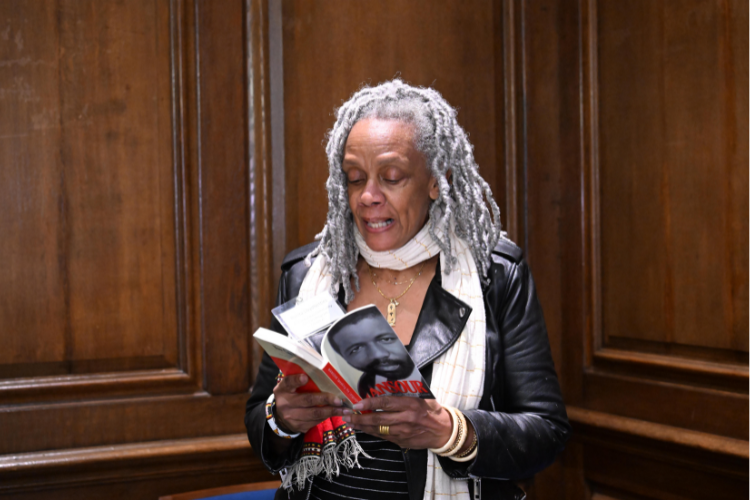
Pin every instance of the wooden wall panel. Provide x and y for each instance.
(673, 194)
(331, 48)
(91, 268)
(635, 131)
(669, 314)
(125, 281)
(98, 147)
(225, 201)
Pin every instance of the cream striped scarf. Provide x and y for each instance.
(458, 375)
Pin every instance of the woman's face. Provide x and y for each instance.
(389, 185)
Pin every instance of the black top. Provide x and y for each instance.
(384, 473)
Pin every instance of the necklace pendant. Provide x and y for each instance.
(391, 317)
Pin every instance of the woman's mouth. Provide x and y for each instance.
(379, 224)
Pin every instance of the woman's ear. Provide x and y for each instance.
(434, 189)
(435, 185)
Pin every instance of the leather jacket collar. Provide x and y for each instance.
(440, 322)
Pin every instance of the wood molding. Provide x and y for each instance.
(263, 266)
(697, 372)
(634, 458)
(128, 462)
(173, 381)
(514, 140)
(589, 419)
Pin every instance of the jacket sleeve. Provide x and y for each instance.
(527, 426)
(258, 432)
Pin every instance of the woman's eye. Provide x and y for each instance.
(392, 181)
(354, 181)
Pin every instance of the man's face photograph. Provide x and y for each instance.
(372, 347)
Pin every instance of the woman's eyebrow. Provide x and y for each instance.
(349, 162)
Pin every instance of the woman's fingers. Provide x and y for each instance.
(298, 412)
(291, 383)
(314, 415)
(286, 389)
(376, 419)
(412, 422)
(389, 403)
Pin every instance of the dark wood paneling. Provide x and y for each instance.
(120, 198)
(151, 469)
(613, 98)
(127, 198)
(331, 48)
(265, 267)
(224, 193)
(673, 188)
(87, 201)
(668, 462)
(652, 183)
(127, 420)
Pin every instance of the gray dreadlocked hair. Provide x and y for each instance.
(445, 146)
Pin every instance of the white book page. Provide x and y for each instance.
(303, 318)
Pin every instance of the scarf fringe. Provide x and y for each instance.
(345, 454)
(348, 452)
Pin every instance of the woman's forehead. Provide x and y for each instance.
(381, 133)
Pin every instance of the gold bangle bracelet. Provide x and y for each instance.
(470, 450)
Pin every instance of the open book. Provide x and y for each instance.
(360, 356)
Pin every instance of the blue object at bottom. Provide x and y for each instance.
(246, 495)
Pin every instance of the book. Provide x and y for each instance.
(359, 356)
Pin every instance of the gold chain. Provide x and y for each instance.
(392, 302)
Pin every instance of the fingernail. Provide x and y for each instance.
(359, 406)
(303, 379)
(347, 411)
(346, 418)
(336, 402)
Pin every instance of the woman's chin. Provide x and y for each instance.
(380, 244)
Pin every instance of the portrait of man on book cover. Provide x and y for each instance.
(371, 357)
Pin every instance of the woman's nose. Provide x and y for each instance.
(371, 195)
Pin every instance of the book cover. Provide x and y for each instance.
(360, 357)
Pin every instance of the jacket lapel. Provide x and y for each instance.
(440, 322)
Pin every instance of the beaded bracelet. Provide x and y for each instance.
(270, 404)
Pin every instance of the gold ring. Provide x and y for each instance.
(385, 430)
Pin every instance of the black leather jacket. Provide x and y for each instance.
(521, 423)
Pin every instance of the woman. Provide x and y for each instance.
(413, 229)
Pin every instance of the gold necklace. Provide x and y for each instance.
(392, 302)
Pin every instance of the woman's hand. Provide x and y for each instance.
(413, 422)
(299, 412)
